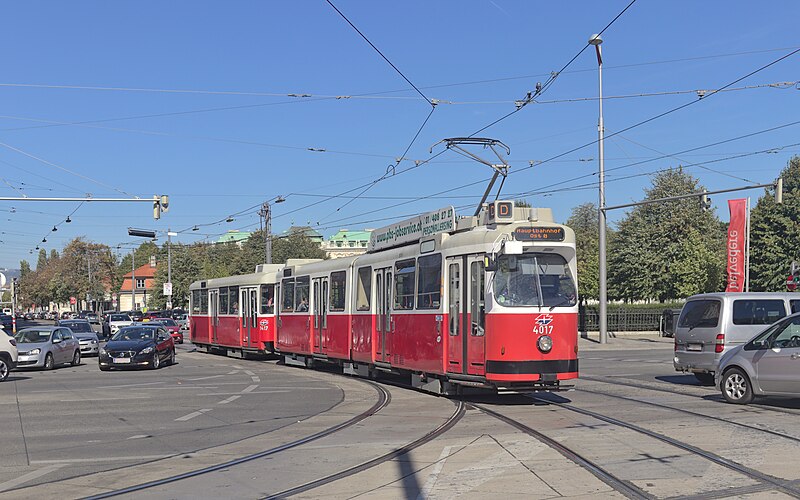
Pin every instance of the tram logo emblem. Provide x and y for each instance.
(544, 319)
(263, 324)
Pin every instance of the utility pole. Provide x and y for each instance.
(170, 234)
(266, 214)
(133, 279)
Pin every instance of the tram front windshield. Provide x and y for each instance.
(533, 279)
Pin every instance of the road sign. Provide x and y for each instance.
(167, 289)
(790, 283)
(73, 300)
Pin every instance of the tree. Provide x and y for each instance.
(584, 221)
(667, 250)
(42, 262)
(774, 233)
(295, 246)
(185, 269)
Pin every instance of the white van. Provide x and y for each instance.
(712, 323)
(7, 310)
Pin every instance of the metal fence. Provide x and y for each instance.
(622, 320)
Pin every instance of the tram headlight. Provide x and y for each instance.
(545, 343)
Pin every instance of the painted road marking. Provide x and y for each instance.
(68, 461)
(434, 474)
(229, 400)
(250, 388)
(192, 415)
(29, 476)
(206, 378)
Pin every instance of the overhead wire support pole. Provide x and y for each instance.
(777, 185)
(160, 203)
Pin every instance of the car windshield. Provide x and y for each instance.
(119, 317)
(181, 317)
(78, 327)
(167, 322)
(533, 279)
(134, 334)
(32, 336)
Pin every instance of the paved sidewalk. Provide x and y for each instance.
(624, 341)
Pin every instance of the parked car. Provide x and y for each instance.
(7, 322)
(90, 344)
(767, 365)
(46, 347)
(8, 355)
(117, 321)
(182, 320)
(172, 327)
(711, 324)
(138, 346)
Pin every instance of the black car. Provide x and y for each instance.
(136, 315)
(138, 346)
(7, 321)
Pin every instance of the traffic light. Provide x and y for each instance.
(705, 202)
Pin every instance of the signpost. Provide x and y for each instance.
(73, 301)
(168, 289)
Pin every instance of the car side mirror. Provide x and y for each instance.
(56, 341)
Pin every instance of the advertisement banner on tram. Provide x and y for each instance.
(413, 229)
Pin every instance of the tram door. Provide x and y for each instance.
(466, 315)
(320, 312)
(383, 314)
(249, 316)
(213, 309)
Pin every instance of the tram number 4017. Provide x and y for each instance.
(543, 329)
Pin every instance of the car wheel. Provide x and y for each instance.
(48, 362)
(4, 370)
(156, 361)
(172, 357)
(736, 387)
(105, 368)
(705, 378)
(76, 358)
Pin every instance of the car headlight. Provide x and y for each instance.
(545, 343)
(103, 351)
(146, 350)
(94, 342)
(34, 352)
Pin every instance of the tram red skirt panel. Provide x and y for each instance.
(511, 346)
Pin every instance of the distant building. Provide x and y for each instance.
(234, 236)
(145, 284)
(306, 231)
(346, 243)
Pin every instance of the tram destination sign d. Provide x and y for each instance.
(413, 229)
(539, 234)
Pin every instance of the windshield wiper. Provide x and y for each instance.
(564, 300)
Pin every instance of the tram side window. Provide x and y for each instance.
(364, 291)
(233, 293)
(337, 291)
(430, 282)
(287, 288)
(478, 303)
(195, 301)
(223, 300)
(301, 293)
(404, 284)
(203, 301)
(267, 299)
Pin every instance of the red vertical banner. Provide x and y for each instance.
(736, 245)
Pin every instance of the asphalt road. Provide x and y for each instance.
(76, 432)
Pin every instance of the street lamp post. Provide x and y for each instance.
(170, 234)
(596, 40)
(133, 279)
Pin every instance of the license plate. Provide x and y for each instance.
(694, 347)
(122, 360)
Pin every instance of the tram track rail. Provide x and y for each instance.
(384, 399)
(692, 413)
(783, 485)
(617, 484)
(631, 383)
(448, 424)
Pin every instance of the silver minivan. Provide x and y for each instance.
(711, 324)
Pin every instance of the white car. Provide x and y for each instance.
(117, 321)
(8, 354)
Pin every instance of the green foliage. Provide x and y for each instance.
(295, 246)
(775, 233)
(42, 262)
(667, 250)
(584, 221)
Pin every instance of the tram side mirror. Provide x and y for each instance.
(489, 263)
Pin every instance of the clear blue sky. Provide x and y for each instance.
(479, 55)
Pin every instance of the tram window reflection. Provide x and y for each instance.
(405, 271)
(337, 291)
(287, 289)
(301, 293)
(267, 299)
(430, 282)
(364, 292)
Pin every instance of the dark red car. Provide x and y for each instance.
(172, 327)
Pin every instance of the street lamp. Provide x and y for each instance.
(596, 40)
(267, 214)
(170, 234)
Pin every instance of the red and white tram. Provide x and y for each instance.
(486, 301)
(236, 313)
